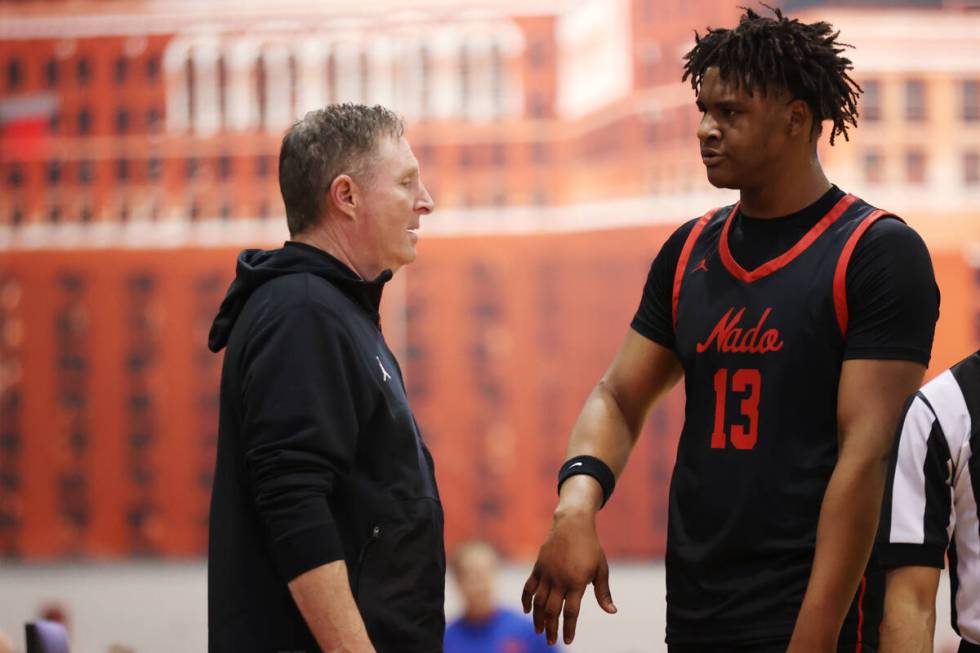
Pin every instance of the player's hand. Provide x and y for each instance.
(570, 558)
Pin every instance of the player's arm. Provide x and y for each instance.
(324, 598)
(870, 400)
(910, 610)
(607, 428)
(644, 368)
(892, 306)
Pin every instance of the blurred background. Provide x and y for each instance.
(138, 154)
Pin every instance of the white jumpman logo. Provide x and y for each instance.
(384, 373)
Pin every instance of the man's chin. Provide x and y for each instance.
(719, 180)
(404, 258)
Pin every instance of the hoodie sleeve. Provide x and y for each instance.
(300, 431)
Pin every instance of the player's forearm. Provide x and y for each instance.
(845, 535)
(324, 598)
(602, 430)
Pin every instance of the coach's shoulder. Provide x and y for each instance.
(301, 289)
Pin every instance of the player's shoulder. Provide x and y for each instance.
(889, 225)
(889, 235)
(682, 232)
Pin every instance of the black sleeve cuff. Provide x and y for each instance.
(888, 354)
(303, 550)
(911, 555)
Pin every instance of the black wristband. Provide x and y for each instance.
(590, 466)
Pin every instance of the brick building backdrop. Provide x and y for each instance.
(138, 154)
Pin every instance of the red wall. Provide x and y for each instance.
(108, 395)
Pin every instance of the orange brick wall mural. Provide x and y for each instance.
(130, 126)
(108, 395)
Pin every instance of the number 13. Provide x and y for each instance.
(743, 380)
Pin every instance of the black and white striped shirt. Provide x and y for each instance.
(934, 487)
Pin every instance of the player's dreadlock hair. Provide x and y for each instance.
(778, 53)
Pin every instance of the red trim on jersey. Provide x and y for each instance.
(864, 587)
(784, 259)
(682, 262)
(840, 274)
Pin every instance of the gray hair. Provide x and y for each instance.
(325, 144)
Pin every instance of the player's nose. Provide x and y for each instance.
(708, 128)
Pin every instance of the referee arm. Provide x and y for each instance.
(916, 520)
(910, 610)
(870, 399)
(607, 428)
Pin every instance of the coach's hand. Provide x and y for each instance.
(570, 558)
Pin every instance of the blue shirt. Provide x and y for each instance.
(505, 631)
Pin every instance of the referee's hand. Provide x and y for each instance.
(570, 558)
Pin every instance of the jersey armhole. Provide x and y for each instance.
(692, 237)
(840, 272)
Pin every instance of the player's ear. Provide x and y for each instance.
(798, 118)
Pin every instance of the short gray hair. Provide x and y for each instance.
(325, 144)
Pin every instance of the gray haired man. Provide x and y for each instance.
(326, 525)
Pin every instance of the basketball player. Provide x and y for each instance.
(800, 319)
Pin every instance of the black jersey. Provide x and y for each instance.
(762, 351)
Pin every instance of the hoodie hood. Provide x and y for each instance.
(256, 266)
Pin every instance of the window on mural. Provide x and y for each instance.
(871, 100)
(915, 100)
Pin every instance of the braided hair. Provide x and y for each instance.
(781, 54)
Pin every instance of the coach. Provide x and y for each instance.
(326, 526)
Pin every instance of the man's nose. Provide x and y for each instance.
(708, 128)
(425, 203)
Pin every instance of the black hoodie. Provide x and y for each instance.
(319, 459)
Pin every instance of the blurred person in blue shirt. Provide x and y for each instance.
(486, 626)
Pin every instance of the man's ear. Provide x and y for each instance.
(798, 118)
(343, 195)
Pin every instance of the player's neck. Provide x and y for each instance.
(793, 189)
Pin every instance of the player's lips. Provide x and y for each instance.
(711, 157)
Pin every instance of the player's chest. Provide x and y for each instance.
(787, 316)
